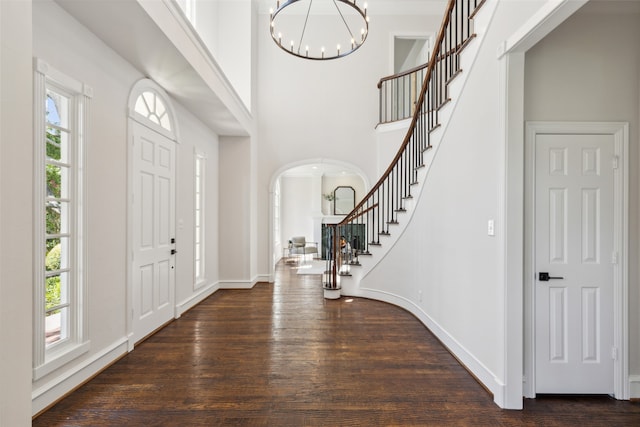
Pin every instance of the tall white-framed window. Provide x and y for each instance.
(61, 106)
(199, 218)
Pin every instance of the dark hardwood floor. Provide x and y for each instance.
(282, 355)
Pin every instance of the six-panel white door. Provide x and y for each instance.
(574, 210)
(153, 207)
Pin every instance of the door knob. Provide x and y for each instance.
(544, 277)
(173, 252)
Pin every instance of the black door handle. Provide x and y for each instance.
(544, 277)
(173, 252)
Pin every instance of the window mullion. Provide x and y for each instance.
(58, 163)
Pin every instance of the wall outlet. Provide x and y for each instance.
(491, 230)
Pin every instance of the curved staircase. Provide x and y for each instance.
(380, 218)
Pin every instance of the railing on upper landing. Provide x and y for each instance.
(379, 209)
(399, 94)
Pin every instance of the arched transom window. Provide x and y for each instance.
(150, 105)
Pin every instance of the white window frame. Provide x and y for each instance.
(48, 358)
(199, 208)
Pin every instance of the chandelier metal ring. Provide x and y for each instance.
(321, 53)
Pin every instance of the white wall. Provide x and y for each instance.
(322, 109)
(195, 136)
(600, 82)
(389, 137)
(235, 211)
(234, 50)
(71, 48)
(16, 208)
(297, 201)
(444, 266)
(330, 182)
(225, 28)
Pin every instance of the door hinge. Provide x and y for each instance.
(614, 258)
(615, 162)
(614, 353)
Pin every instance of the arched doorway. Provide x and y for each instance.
(299, 202)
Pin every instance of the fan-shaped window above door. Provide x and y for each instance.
(151, 106)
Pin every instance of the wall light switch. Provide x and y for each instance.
(491, 230)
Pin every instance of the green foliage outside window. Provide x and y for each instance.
(53, 220)
(52, 292)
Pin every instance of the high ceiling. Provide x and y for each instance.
(381, 7)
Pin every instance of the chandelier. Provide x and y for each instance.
(324, 29)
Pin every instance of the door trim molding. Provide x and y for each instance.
(620, 133)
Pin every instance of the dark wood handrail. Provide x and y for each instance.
(379, 208)
(423, 91)
(417, 68)
(402, 74)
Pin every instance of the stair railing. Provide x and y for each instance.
(399, 94)
(379, 209)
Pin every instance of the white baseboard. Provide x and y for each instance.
(243, 284)
(634, 386)
(58, 387)
(470, 362)
(268, 278)
(195, 299)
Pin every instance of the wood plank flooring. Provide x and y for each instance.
(282, 355)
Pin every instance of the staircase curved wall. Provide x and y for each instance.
(444, 267)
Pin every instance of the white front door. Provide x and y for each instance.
(153, 230)
(574, 232)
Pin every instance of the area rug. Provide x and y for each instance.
(311, 267)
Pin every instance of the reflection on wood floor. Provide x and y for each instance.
(282, 355)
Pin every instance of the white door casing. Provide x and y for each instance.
(576, 191)
(153, 228)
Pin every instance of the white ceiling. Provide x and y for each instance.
(126, 28)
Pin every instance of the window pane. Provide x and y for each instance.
(56, 325)
(57, 254)
(53, 296)
(57, 109)
(150, 100)
(57, 181)
(57, 217)
(141, 107)
(57, 145)
(165, 122)
(160, 109)
(57, 290)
